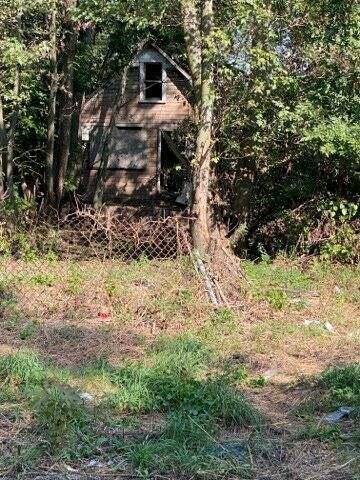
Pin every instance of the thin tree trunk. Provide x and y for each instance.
(2, 148)
(192, 33)
(100, 181)
(67, 108)
(10, 188)
(50, 164)
(202, 76)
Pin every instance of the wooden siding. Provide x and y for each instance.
(97, 111)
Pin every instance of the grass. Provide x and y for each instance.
(170, 379)
(174, 379)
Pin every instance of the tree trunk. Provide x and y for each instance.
(10, 188)
(67, 104)
(192, 33)
(202, 74)
(50, 164)
(100, 181)
(2, 149)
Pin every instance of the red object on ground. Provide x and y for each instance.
(104, 313)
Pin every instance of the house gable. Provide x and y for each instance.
(173, 108)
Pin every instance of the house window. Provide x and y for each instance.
(152, 77)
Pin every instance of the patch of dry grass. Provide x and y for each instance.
(74, 314)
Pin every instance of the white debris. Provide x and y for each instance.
(87, 397)
(329, 327)
(314, 321)
(269, 374)
(338, 415)
(311, 321)
(94, 464)
(69, 469)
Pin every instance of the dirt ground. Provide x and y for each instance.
(289, 324)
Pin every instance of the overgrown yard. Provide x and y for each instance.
(110, 370)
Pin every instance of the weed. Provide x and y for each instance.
(186, 294)
(20, 458)
(46, 279)
(258, 382)
(29, 330)
(61, 418)
(25, 247)
(23, 368)
(171, 378)
(235, 373)
(277, 298)
(322, 432)
(343, 384)
(264, 275)
(75, 280)
(223, 315)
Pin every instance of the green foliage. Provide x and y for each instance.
(45, 279)
(277, 298)
(343, 384)
(271, 282)
(22, 368)
(290, 140)
(321, 432)
(61, 419)
(169, 379)
(75, 280)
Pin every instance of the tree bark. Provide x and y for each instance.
(50, 164)
(10, 188)
(2, 149)
(100, 181)
(67, 104)
(202, 74)
(192, 34)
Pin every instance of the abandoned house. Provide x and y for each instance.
(143, 163)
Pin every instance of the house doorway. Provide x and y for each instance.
(172, 166)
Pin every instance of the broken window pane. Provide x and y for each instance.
(153, 81)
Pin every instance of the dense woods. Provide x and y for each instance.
(275, 139)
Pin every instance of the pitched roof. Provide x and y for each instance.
(171, 61)
(161, 52)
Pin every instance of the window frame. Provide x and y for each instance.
(143, 98)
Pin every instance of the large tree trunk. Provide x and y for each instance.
(10, 188)
(2, 150)
(50, 164)
(202, 74)
(67, 104)
(101, 177)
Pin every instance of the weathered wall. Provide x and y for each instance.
(176, 108)
(141, 183)
(96, 113)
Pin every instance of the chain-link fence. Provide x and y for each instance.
(123, 233)
(121, 265)
(61, 269)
